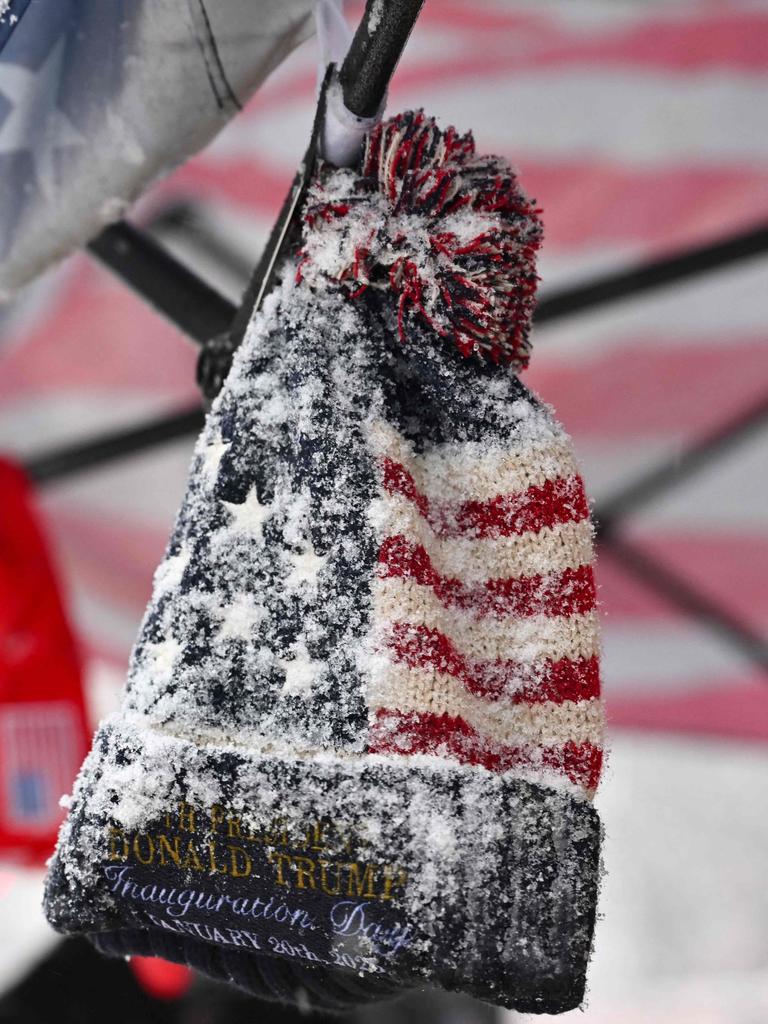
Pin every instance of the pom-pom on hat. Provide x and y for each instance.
(362, 727)
(448, 233)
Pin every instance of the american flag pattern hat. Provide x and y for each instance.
(362, 728)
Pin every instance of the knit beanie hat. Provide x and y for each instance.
(362, 728)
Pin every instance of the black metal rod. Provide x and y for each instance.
(677, 469)
(69, 459)
(287, 227)
(143, 264)
(659, 273)
(186, 219)
(202, 313)
(374, 53)
(164, 282)
(679, 592)
(63, 462)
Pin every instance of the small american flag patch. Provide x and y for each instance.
(38, 762)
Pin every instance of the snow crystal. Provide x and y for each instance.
(300, 671)
(247, 517)
(240, 618)
(375, 15)
(113, 209)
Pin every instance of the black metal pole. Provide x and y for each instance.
(364, 76)
(658, 273)
(374, 53)
(679, 592)
(196, 308)
(164, 282)
(61, 462)
(673, 471)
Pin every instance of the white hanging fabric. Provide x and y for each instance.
(343, 131)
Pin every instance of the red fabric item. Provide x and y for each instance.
(161, 978)
(43, 729)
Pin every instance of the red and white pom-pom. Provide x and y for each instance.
(445, 230)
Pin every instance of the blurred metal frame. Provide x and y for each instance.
(201, 312)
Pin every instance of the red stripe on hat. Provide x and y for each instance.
(557, 501)
(396, 732)
(533, 683)
(569, 592)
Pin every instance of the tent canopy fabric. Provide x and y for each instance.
(98, 100)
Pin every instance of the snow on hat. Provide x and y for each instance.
(362, 727)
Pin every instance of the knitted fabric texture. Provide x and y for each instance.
(362, 727)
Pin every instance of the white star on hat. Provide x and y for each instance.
(239, 619)
(248, 516)
(306, 565)
(300, 671)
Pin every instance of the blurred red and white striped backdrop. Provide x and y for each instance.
(640, 128)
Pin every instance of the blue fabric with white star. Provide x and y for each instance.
(52, 52)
